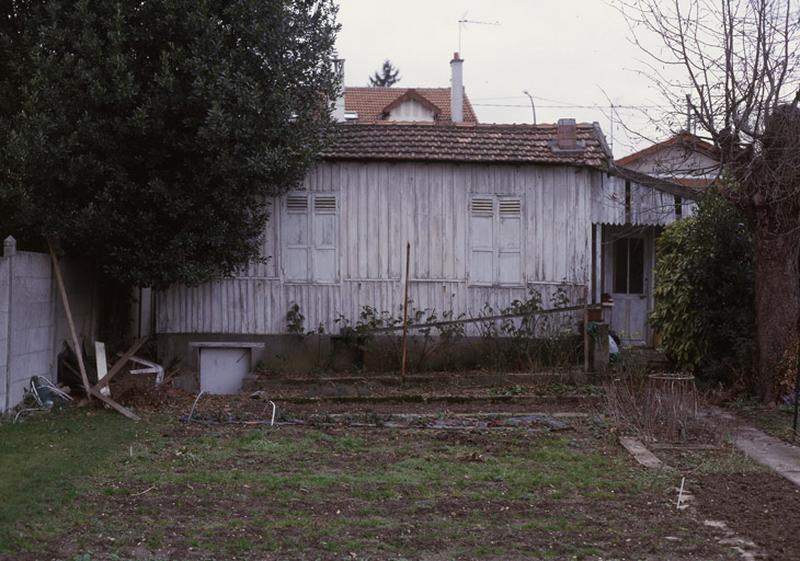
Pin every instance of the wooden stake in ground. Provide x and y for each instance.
(76, 346)
(405, 315)
(586, 343)
(796, 394)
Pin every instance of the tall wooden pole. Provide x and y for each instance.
(76, 346)
(405, 315)
(586, 343)
(796, 395)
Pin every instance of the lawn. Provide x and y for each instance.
(90, 485)
(776, 421)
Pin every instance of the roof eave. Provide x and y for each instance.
(656, 183)
(454, 160)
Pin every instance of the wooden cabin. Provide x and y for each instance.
(490, 211)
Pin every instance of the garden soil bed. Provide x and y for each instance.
(762, 506)
(378, 400)
(201, 509)
(330, 489)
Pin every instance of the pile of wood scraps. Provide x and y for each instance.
(100, 390)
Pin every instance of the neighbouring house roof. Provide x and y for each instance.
(372, 103)
(667, 186)
(431, 142)
(693, 183)
(684, 140)
(683, 171)
(413, 95)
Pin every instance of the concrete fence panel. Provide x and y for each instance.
(32, 322)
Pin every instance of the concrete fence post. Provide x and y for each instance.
(9, 251)
(9, 247)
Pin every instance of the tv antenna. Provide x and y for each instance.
(463, 22)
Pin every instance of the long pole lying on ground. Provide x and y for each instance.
(405, 315)
(76, 346)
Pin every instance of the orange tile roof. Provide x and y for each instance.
(438, 142)
(695, 183)
(370, 103)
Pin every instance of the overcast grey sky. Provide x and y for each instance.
(565, 52)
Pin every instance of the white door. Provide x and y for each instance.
(222, 370)
(630, 288)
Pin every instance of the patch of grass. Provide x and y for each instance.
(232, 492)
(47, 461)
(775, 421)
(548, 524)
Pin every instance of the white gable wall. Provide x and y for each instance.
(410, 110)
(676, 162)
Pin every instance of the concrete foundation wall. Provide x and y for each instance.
(32, 321)
(324, 353)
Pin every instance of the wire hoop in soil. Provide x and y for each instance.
(659, 406)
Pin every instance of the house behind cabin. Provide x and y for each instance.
(683, 159)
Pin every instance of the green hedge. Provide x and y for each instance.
(705, 292)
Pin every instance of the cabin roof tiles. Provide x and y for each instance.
(430, 142)
(371, 103)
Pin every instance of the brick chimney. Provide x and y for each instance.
(567, 134)
(457, 89)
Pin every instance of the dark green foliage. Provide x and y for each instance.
(705, 291)
(387, 77)
(295, 320)
(146, 135)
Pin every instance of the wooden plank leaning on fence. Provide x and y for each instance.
(76, 347)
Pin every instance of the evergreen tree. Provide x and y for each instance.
(386, 77)
(147, 136)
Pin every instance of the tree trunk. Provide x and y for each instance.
(777, 309)
(116, 301)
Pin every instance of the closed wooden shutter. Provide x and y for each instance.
(324, 249)
(509, 246)
(296, 235)
(481, 233)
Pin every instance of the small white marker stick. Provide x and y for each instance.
(680, 493)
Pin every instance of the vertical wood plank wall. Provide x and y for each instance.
(381, 206)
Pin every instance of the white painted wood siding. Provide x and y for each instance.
(380, 207)
(608, 200)
(648, 206)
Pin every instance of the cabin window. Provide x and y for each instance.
(629, 266)
(310, 238)
(678, 207)
(496, 240)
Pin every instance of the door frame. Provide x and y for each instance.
(609, 235)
